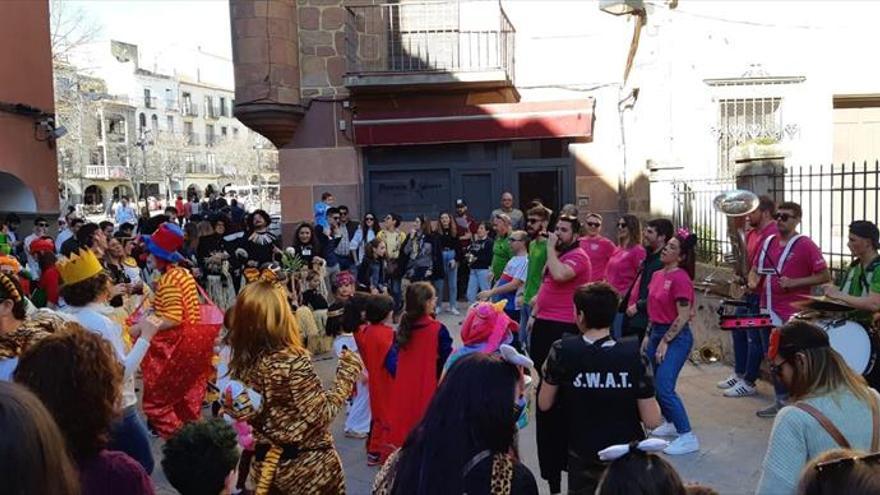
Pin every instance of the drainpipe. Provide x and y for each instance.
(624, 104)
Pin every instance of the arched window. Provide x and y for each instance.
(142, 121)
(154, 124)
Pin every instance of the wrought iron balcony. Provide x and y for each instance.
(429, 43)
(150, 101)
(103, 172)
(190, 109)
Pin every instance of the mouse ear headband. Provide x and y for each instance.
(648, 446)
(686, 237)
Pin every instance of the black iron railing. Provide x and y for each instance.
(445, 36)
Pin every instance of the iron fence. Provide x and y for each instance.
(831, 197)
(435, 36)
(692, 208)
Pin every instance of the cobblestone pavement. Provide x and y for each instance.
(733, 440)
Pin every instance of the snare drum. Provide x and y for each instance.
(857, 344)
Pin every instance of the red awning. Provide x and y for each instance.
(494, 122)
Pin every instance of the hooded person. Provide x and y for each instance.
(178, 365)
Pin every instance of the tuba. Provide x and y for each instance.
(736, 204)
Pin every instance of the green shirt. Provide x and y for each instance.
(537, 260)
(501, 254)
(857, 279)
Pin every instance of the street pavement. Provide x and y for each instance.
(732, 439)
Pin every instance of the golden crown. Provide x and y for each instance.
(80, 266)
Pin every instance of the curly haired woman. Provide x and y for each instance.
(294, 448)
(75, 374)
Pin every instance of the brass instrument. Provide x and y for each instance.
(736, 204)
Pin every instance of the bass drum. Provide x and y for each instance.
(858, 345)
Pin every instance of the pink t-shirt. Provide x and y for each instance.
(599, 249)
(665, 288)
(803, 260)
(623, 266)
(755, 239)
(556, 299)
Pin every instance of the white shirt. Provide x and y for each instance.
(93, 318)
(62, 236)
(32, 264)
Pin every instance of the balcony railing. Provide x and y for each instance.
(190, 109)
(212, 111)
(150, 101)
(102, 172)
(193, 139)
(429, 37)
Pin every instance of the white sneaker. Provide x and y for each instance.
(741, 389)
(454, 310)
(438, 311)
(684, 444)
(728, 382)
(667, 429)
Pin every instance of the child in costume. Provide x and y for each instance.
(486, 327)
(357, 421)
(423, 345)
(375, 343)
(314, 300)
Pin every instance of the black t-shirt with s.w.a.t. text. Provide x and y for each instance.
(600, 384)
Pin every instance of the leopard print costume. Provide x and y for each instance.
(297, 410)
(38, 325)
(500, 482)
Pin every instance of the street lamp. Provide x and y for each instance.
(622, 7)
(142, 143)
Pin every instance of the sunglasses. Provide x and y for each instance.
(783, 216)
(41, 224)
(369, 219)
(594, 224)
(776, 369)
(335, 217)
(621, 225)
(830, 467)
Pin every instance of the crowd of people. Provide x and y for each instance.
(209, 308)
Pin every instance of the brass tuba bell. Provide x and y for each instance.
(735, 204)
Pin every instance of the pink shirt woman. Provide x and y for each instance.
(623, 267)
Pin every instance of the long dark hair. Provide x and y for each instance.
(453, 227)
(472, 411)
(33, 455)
(415, 303)
(364, 227)
(639, 472)
(688, 253)
(313, 240)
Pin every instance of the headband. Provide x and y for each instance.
(648, 446)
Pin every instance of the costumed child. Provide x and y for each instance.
(487, 328)
(343, 290)
(313, 299)
(375, 343)
(423, 345)
(357, 421)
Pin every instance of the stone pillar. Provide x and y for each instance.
(265, 53)
(762, 176)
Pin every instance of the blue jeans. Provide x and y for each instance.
(451, 275)
(129, 435)
(778, 386)
(666, 373)
(478, 279)
(524, 314)
(747, 352)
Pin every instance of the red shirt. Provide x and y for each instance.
(50, 279)
(755, 239)
(599, 249)
(665, 288)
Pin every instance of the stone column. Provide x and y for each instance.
(265, 53)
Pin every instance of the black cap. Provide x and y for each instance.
(866, 230)
(460, 202)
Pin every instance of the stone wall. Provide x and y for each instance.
(322, 47)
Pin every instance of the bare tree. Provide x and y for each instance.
(70, 29)
(247, 161)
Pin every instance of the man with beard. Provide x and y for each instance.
(568, 268)
(538, 218)
(657, 233)
(747, 343)
(791, 264)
